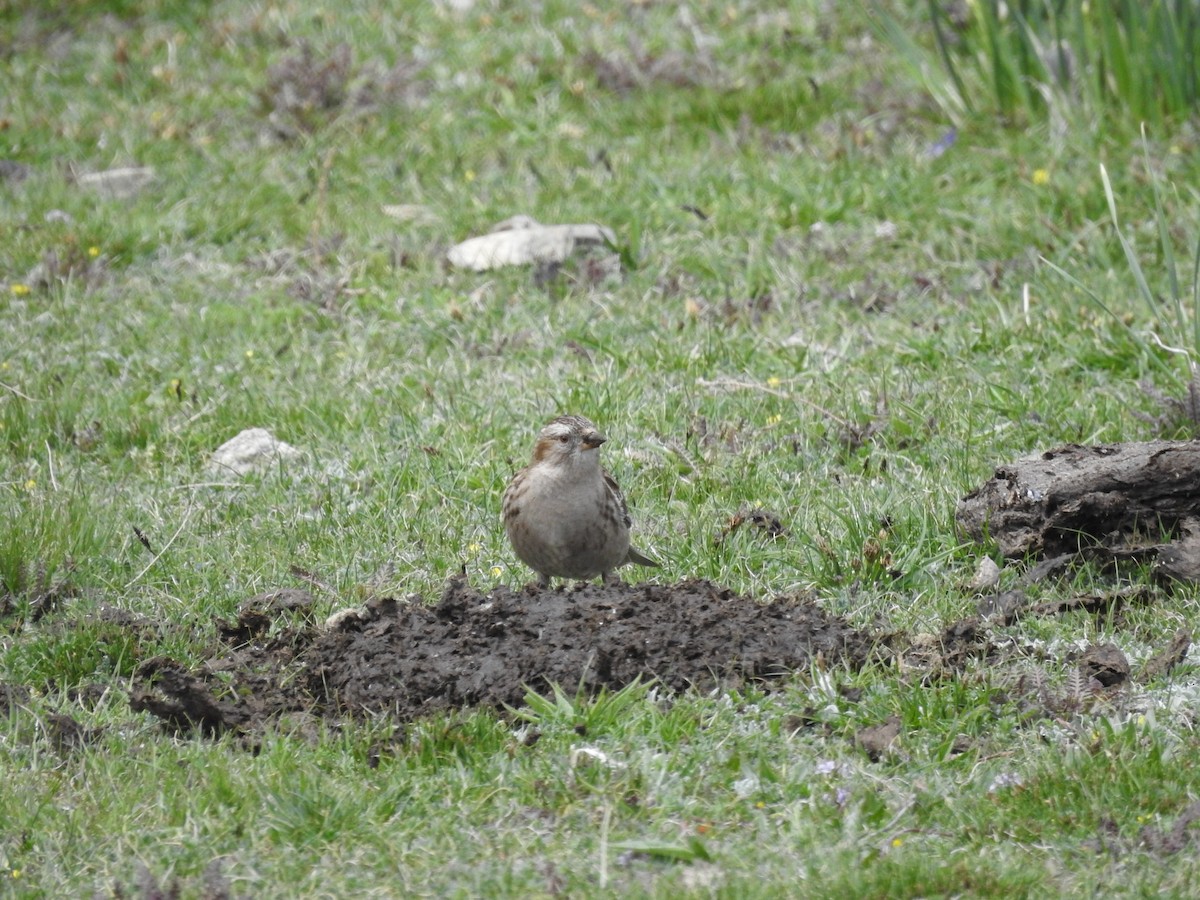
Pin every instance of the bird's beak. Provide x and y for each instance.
(592, 440)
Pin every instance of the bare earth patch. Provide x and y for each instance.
(276, 667)
(470, 649)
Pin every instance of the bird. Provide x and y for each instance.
(564, 514)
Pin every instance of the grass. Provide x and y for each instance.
(1061, 61)
(853, 333)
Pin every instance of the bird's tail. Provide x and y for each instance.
(634, 557)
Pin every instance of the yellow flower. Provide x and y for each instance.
(1041, 177)
(93, 251)
(774, 420)
(469, 175)
(774, 381)
(474, 547)
(18, 290)
(497, 571)
(249, 354)
(896, 842)
(30, 485)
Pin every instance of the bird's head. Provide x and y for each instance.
(568, 440)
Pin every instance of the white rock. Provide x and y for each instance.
(987, 575)
(118, 183)
(347, 619)
(252, 450)
(520, 240)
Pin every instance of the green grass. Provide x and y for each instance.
(842, 338)
(1065, 61)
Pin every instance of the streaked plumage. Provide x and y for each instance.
(564, 514)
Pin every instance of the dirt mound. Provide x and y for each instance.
(470, 649)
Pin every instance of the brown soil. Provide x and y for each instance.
(411, 658)
(276, 667)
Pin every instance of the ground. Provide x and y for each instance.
(408, 658)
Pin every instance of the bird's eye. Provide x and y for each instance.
(564, 439)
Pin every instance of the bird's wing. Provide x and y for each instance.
(615, 490)
(633, 555)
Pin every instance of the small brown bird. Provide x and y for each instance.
(565, 516)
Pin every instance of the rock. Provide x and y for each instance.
(1179, 561)
(1168, 658)
(521, 240)
(987, 575)
(119, 184)
(1105, 663)
(252, 450)
(878, 740)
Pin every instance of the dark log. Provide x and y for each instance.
(1074, 497)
